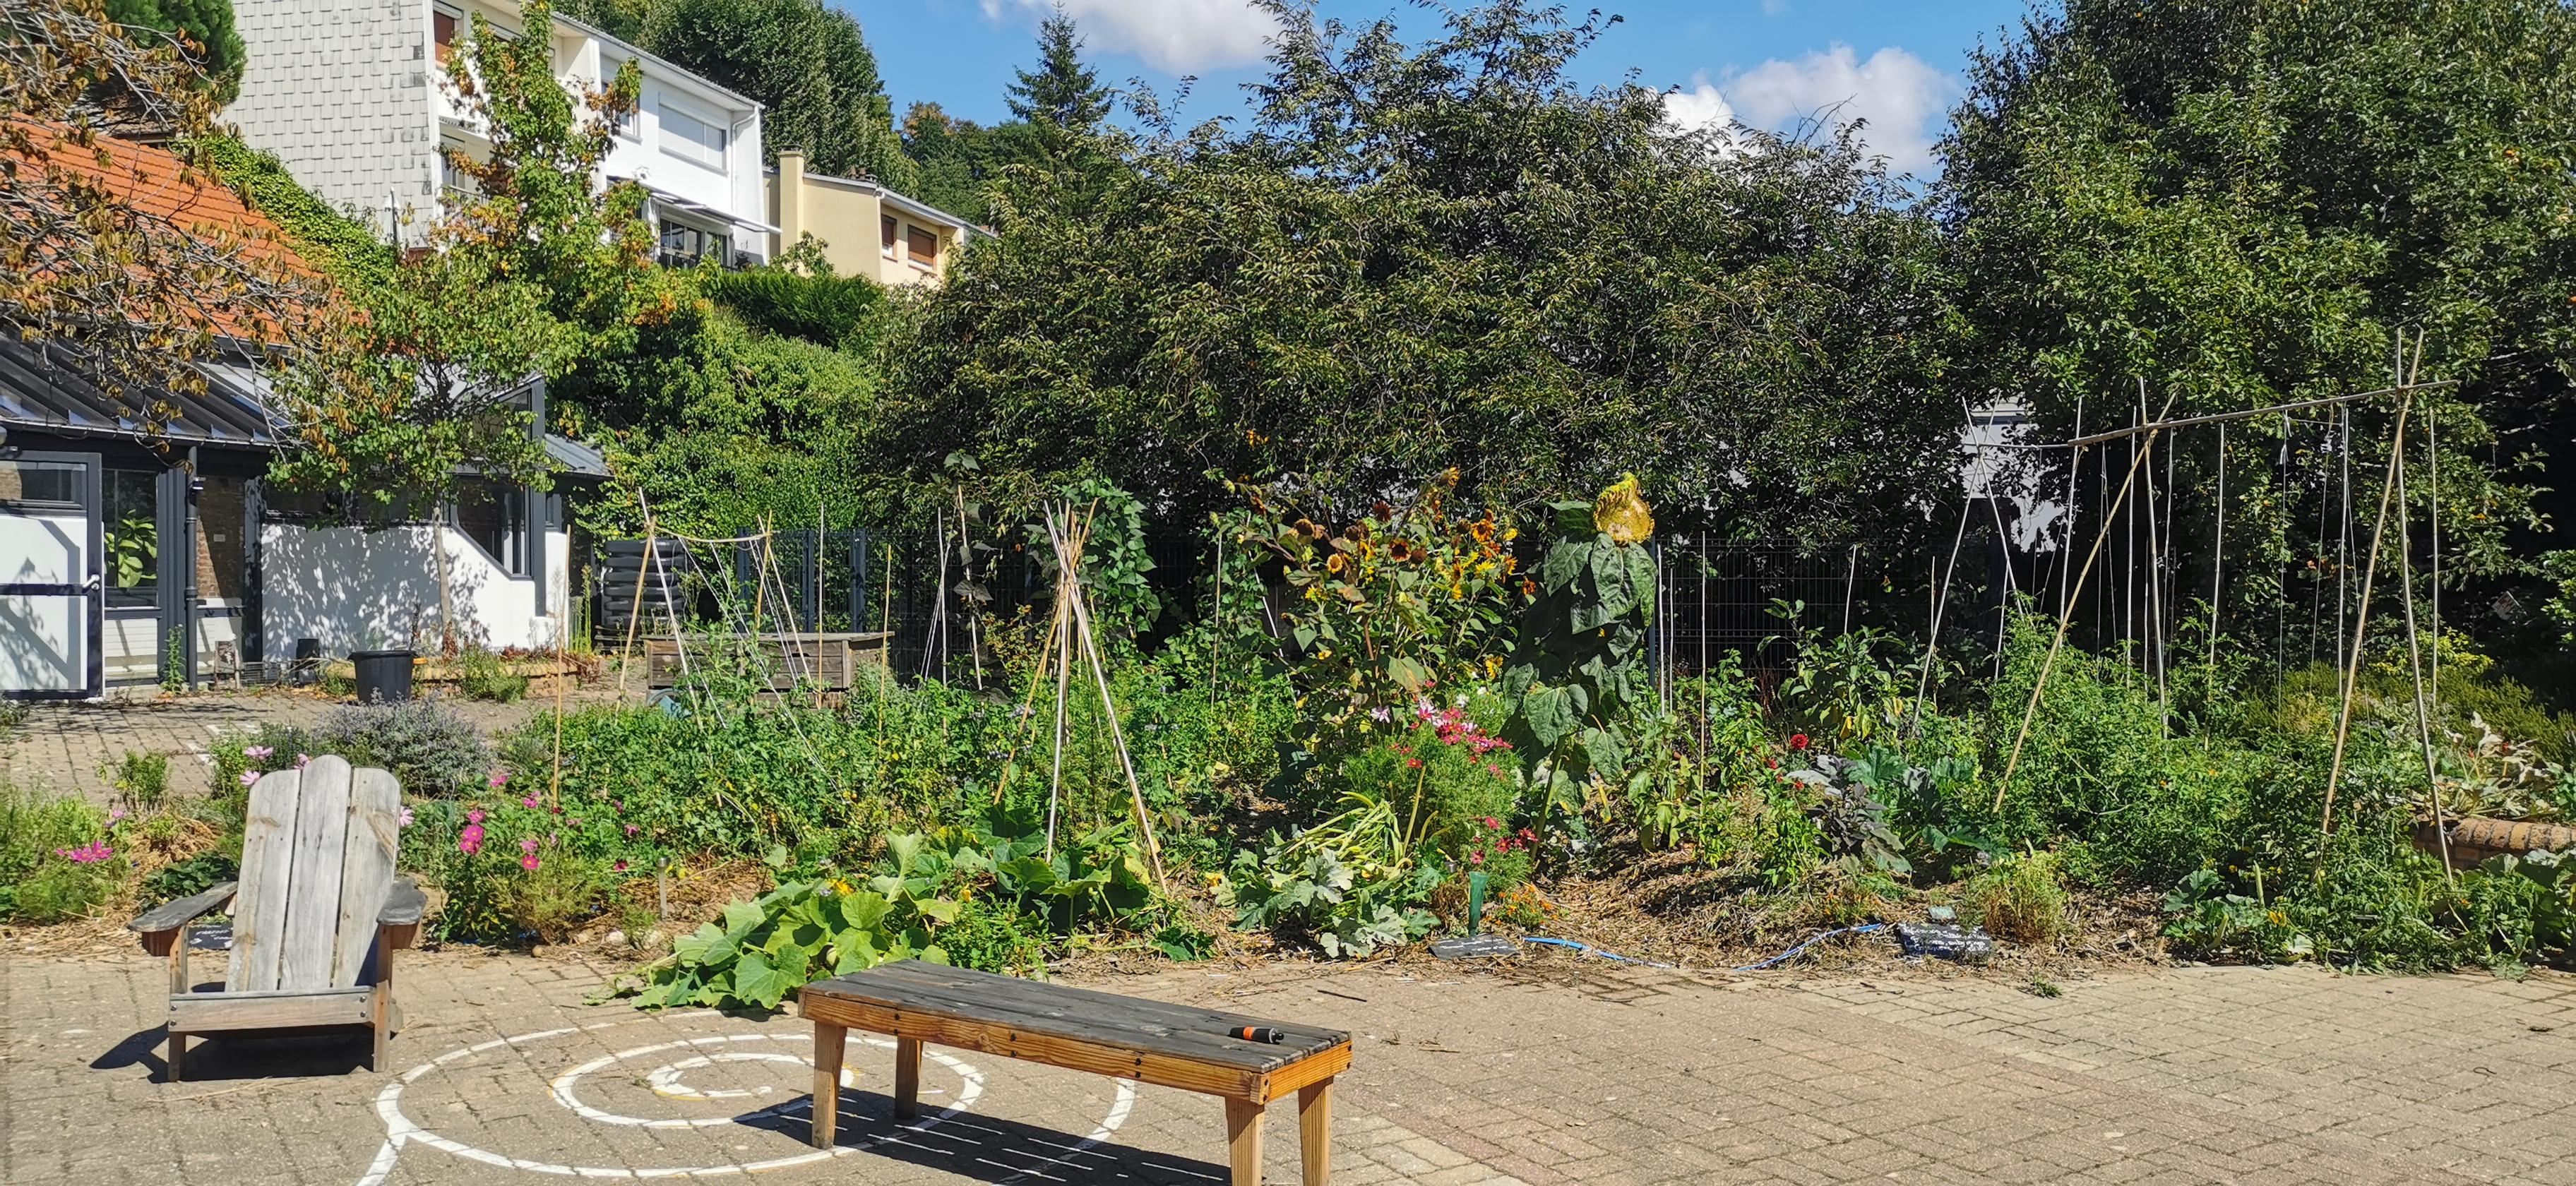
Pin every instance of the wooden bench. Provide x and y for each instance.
(1124, 1037)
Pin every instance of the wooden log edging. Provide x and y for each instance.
(2475, 839)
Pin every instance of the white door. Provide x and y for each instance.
(51, 595)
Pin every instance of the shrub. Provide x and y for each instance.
(194, 875)
(426, 745)
(482, 675)
(824, 310)
(56, 861)
(143, 779)
(2021, 898)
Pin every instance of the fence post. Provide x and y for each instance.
(859, 579)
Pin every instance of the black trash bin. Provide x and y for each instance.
(382, 675)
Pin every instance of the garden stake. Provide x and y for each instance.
(635, 611)
(1108, 707)
(2415, 666)
(2433, 495)
(2352, 666)
(2039, 684)
(2217, 555)
(2066, 553)
(1941, 603)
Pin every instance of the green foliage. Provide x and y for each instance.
(142, 780)
(832, 311)
(956, 162)
(1419, 257)
(2021, 898)
(430, 749)
(1313, 892)
(1842, 685)
(341, 247)
(39, 882)
(196, 874)
(2251, 202)
(205, 26)
(953, 895)
(1114, 561)
(482, 675)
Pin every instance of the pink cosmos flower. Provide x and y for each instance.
(619, 866)
(529, 802)
(529, 862)
(406, 817)
(498, 778)
(249, 777)
(303, 760)
(470, 841)
(114, 814)
(632, 829)
(258, 753)
(87, 854)
(474, 816)
(528, 845)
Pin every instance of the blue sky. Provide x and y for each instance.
(1766, 62)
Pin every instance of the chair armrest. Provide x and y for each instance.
(404, 904)
(399, 921)
(159, 925)
(170, 916)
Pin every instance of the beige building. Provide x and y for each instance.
(866, 229)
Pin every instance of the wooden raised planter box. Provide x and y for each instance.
(829, 660)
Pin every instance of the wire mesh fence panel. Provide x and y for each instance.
(1750, 597)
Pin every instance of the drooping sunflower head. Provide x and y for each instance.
(1621, 514)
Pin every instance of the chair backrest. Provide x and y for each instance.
(317, 862)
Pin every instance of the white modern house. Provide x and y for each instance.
(352, 98)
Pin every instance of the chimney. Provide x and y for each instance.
(790, 199)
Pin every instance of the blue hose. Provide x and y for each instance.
(1783, 957)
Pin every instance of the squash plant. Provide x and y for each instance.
(1578, 671)
(762, 951)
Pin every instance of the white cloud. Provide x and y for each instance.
(1701, 108)
(1175, 36)
(1902, 98)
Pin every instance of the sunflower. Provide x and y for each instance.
(1399, 551)
(1335, 563)
(1529, 588)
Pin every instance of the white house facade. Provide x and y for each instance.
(352, 98)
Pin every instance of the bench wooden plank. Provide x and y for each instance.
(366, 870)
(1080, 1015)
(1055, 998)
(197, 1013)
(313, 882)
(1203, 1040)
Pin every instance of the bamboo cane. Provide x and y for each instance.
(2031, 710)
(2361, 624)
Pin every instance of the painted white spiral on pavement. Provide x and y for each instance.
(667, 1080)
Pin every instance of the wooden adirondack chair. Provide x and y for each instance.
(317, 915)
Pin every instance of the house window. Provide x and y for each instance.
(130, 529)
(453, 182)
(684, 245)
(922, 245)
(885, 234)
(442, 24)
(41, 485)
(691, 136)
(495, 517)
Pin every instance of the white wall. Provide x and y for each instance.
(358, 590)
(341, 93)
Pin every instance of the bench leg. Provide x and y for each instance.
(907, 1078)
(830, 1041)
(1243, 1140)
(1315, 1130)
(178, 1058)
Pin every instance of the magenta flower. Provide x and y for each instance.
(470, 841)
(258, 753)
(249, 777)
(529, 862)
(632, 829)
(87, 854)
(474, 816)
(529, 802)
(619, 866)
(498, 778)
(528, 845)
(114, 814)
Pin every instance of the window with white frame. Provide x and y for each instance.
(692, 135)
(684, 245)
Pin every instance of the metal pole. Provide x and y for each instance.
(2218, 556)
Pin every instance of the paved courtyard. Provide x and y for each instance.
(1556, 1072)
